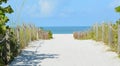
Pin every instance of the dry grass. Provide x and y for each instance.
(28, 33)
(92, 35)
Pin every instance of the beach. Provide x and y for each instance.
(64, 50)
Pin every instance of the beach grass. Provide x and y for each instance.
(21, 36)
(99, 33)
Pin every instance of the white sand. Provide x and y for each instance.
(63, 50)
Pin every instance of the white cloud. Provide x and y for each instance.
(115, 3)
(42, 8)
(47, 7)
(66, 12)
(32, 10)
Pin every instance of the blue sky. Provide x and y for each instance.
(63, 12)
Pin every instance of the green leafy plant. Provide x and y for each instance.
(50, 34)
(117, 9)
(3, 18)
(4, 52)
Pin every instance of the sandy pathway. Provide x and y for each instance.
(63, 50)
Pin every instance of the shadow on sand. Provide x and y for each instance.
(30, 58)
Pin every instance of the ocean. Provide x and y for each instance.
(66, 30)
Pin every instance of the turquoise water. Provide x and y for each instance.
(66, 30)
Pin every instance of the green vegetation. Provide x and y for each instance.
(25, 34)
(50, 34)
(117, 9)
(107, 33)
(19, 38)
(102, 33)
(6, 52)
(28, 33)
(106, 37)
(12, 40)
(3, 18)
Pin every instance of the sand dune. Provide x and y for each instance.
(63, 50)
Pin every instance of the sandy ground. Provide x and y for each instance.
(63, 50)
